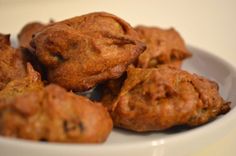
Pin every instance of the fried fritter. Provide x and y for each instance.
(164, 46)
(26, 33)
(24, 38)
(55, 115)
(83, 51)
(156, 99)
(31, 82)
(12, 62)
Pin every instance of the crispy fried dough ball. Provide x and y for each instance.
(164, 46)
(83, 51)
(20, 86)
(27, 32)
(156, 99)
(12, 62)
(55, 115)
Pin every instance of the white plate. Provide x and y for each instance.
(170, 143)
(207, 24)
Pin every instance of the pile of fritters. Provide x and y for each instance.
(138, 69)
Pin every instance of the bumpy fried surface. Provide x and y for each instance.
(12, 62)
(109, 90)
(20, 86)
(53, 114)
(160, 98)
(83, 51)
(24, 38)
(164, 46)
(25, 35)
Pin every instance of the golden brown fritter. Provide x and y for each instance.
(24, 38)
(164, 46)
(27, 32)
(160, 98)
(55, 115)
(83, 51)
(31, 82)
(12, 62)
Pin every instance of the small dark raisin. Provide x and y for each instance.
(57, 56)
(81, 126)
(73, 45)
(69, 126)
(43, 140)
